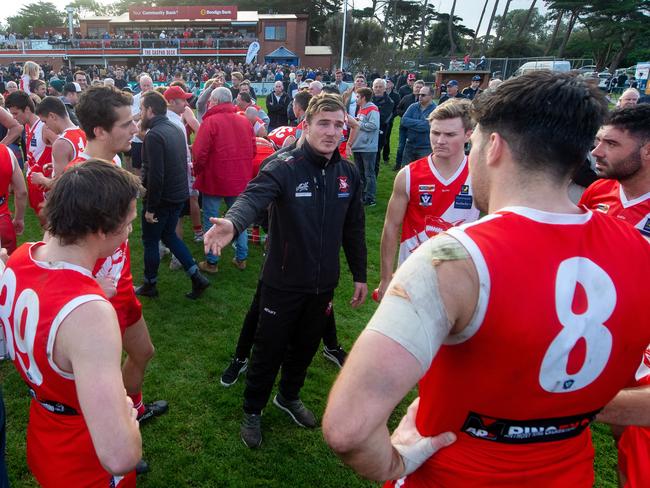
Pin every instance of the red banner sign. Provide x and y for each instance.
(183, 12)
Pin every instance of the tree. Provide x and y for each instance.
(478, 27)
(450, 31)
(525, 24)
(438, 39)
(558, 22)
(574, 8)
(403, 20)
(622, 23)
(502, 23)
(83, 8)
(37, 14)
(487, 34)
(365, 43)
(530, 43)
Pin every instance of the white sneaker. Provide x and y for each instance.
(164, 251)
(175, 264)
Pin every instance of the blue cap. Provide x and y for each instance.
(476, 78)
(452, 83)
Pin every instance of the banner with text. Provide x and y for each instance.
(191, 12)
(160, 52)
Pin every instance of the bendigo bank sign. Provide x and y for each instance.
(192, 12)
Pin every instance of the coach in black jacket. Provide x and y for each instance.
(316, 208)
(164, 175)
(277, 103)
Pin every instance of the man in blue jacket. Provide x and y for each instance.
(415, 121)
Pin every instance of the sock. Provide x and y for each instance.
(137, 402)
(197, 229)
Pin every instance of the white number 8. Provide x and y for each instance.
(601, 301)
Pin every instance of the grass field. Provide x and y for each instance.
(196, 444)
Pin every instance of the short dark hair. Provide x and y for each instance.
(19, 99)
(366, 93)
(80, 72)
(52, 105)
(332, 89)
(34, 84)
(549, 120)
(302, 99)
(156, 101)
(96, 108)
(245, 97)
(635, 120)
(90, 197)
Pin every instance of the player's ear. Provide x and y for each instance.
(645, 152)
(496, 148)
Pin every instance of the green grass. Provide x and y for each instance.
(196, 444)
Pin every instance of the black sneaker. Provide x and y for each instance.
(147, 290)
(297, 411)
(142, 467)
(232, 372)
(153, 409)
(336, 355)
(370, 203)
(251, 430)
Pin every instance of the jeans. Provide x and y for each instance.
(412, 153)
(164, 230)
(366, 164)
(211, 206)
(400, 148)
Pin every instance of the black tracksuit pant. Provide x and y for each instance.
(247, 333)
(288, 334)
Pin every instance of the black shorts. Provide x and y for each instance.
(136, 155)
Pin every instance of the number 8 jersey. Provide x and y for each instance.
(559, 328)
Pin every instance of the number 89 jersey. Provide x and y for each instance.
(558, 330)
(36, 298)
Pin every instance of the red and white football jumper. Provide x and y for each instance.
(117, 267)
(549, 344)
(280, 134)
(435, 203)
(7, 231)
(38, 155)
(607, 196)
(38, 297)
(77, 138)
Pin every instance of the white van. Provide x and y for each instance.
(563, 66)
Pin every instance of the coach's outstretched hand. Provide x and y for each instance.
(412, 446)
(218, 236)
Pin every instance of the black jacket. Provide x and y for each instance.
(315, 209)
(277, 110)
(405, 103)
(385, 106)
(394, 96)
(164, 165)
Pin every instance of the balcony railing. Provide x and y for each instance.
(208, 44)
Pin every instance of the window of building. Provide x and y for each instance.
(275, 32)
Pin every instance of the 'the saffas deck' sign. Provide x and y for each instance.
(191, 12)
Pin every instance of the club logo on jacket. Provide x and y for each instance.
(302, 189)
(344, 187)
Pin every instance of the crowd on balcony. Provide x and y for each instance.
(214, 37)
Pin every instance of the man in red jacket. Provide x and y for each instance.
(223, 165)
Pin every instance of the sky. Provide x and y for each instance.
(468, 10)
